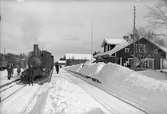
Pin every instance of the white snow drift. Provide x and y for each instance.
(142, 91)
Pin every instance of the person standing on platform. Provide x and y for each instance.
(30, 77)
(18, 69)
(57, 67)
(10, 71)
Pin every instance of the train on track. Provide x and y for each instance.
(40, 66)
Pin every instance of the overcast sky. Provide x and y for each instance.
(65, 27)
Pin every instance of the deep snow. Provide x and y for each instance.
(65, 97)
(142, 91)
(66, 94)
(60, 96)
(17, 103)
(155, 74)
(112, 104)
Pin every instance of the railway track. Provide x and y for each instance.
(9, 83)
(11, 94)
(9, 89)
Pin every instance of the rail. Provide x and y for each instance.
(17, 90)
(6, 84)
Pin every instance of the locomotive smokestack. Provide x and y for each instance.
(36, 50)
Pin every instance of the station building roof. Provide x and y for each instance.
(125, 44)
(113, 41)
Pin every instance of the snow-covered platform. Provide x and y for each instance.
(58, 96)
(66, 97)
(65, 94)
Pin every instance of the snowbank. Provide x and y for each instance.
(145, 92)
(142, 91)
(91, 69)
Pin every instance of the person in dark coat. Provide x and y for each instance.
(10, 71)
(57, 67)
(18, 70)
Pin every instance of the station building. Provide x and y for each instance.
(140, 54)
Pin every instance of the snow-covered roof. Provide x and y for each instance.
(62, 61)
(161, 47)
(114, 41)
(115, 49)
(125, 44)
(78, 56)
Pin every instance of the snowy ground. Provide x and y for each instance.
(4, 78)
(60, 96)
(65, 94)
(65, 97)
(155, 74)
(112, 104)
(18, 102)
(147, 93)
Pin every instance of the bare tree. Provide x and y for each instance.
(159, 38)
(146, 33)
(140, 33)
(158, 15)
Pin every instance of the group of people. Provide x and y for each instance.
(10, 68)
(27, 76)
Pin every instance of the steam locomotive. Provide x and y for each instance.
(40, 66)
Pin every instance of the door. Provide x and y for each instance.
(148, 63)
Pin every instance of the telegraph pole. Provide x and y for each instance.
(0, 38)
(134, 21)
(134, 35)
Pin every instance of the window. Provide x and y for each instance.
(140, 48)
(108, 47)
(105, 48)
(155, 51)
(126, 50)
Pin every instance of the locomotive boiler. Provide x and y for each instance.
(40, 65)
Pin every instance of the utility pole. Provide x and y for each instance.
(134, 21)
(134, 36)
(0, 38)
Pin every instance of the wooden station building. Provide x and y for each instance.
(138, 55)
